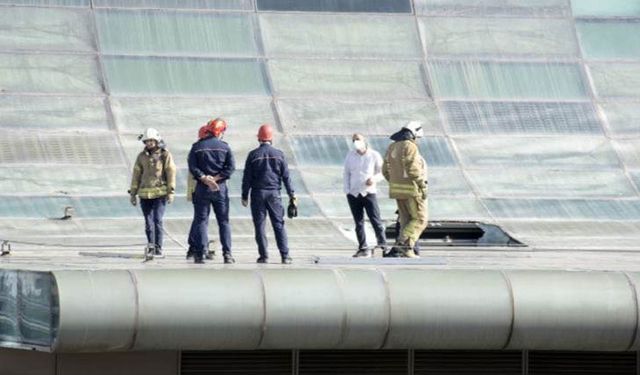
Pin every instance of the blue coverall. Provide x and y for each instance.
(210, 157)
(264, 172)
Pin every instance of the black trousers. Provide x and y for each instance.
(358, 206)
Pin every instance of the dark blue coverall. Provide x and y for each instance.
(210, 157)
(264, 172)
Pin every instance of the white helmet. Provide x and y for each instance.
(415, 127)
(150, 133)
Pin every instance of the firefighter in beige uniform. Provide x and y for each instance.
(154, 182)
(406, 171)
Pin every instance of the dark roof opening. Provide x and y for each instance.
(460, 233)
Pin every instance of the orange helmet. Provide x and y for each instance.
(216, 126)
(202, 132)
(265, 133)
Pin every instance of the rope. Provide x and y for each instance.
(70, 245)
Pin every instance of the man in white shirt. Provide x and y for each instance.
(362, 172)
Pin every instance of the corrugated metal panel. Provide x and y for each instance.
(257, 362)
(439, 362)
(569, 363)
(356, 362)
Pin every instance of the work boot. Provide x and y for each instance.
(209, 255)
(395, 252)
(157, 251)
(198, 258)
(190, 253)
(228, 259)
(287, 260)
(383, 248)
(363, 253)
(409, 253)
(262, 260)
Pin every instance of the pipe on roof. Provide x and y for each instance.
(211, 309)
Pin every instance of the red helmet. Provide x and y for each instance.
(265, 133)
(202, 132)
(216, 126)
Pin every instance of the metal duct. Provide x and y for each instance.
(345, 309)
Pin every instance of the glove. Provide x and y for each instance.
(245, 202)
(170, 198)
(292, 209)
(133, 199)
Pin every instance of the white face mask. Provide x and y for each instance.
(359, 145)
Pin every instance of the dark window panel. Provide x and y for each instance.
(377, 6)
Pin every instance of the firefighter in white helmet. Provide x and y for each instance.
(406, 171)
(154, 182)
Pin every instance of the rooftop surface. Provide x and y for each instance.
(104, 244)
(531, 115)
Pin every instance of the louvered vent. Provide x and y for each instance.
(356, 362)
(569, 363)
(237, 362)
(436, 362)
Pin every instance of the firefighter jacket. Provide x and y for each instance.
(154, 174)
(404, 168)
(266, 169)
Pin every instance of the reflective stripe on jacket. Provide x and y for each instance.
(405, 170)
(154, 174)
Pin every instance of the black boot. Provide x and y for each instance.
(395, 252)
(228, 259)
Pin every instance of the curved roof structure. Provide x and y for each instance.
(304, 308)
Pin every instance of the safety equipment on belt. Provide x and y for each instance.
(292, 209)
(359, 145)
(265, 133)
(415, 127)
(202, 132)
(217, 127)
(150, 134)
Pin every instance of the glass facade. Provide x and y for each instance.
(467, 117)
(177, 4)
(457, 36)
(494, 8)
(490, 80)
(28, 310)
(530, 108)
(340, 36)
(150, 32)
(183, 76)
